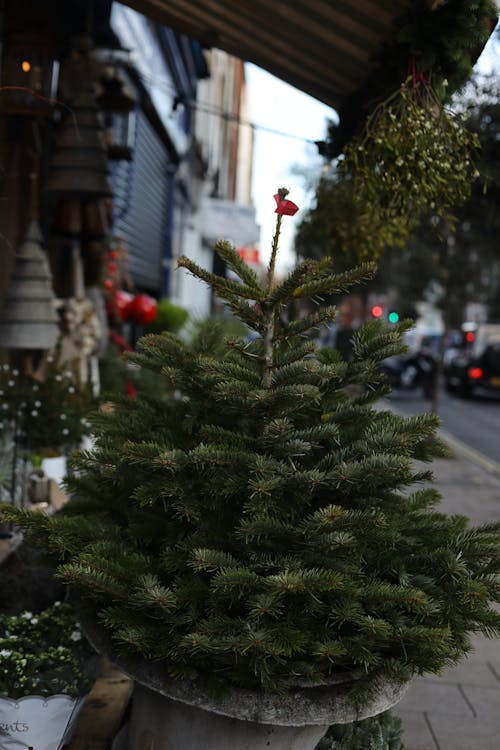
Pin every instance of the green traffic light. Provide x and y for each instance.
(393, 317)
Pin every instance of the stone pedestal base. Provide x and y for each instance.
(160, 723)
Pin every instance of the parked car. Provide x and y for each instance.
(475, 366)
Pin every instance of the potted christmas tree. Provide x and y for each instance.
(258, 545)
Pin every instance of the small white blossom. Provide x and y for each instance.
(5, 652)
(76, 635)
(26, 615)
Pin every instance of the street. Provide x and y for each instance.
(474, 421)
(458, 710)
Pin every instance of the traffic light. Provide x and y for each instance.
(393, 316)
(377, 311)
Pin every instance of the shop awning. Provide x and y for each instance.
(327, 49)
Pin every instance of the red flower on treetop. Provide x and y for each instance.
(284, 206)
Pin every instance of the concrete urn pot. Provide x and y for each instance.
(168, 714)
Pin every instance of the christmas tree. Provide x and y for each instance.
(265, 522)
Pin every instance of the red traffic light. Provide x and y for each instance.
(377, 311)
(470, 337)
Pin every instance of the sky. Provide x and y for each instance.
(278, 106)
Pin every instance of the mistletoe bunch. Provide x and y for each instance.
(412, 158)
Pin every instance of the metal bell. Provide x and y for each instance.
(29, 319)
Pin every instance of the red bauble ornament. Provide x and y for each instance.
(112, 268)
(121, 304)
(108, 284)
(143, 309)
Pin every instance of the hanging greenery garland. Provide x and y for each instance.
(446, 37)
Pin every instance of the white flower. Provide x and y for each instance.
(24, 662)
(34, 620)
(5, 652)
(26, 615)
(76, 635)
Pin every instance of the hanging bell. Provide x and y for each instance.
(29, 319)
(80, 165)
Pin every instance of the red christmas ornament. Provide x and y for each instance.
(143, 309)
(130, 389)
(108, 284)
(121, 304)
(284, 206)
(112, 268)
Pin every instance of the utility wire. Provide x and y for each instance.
(219, 111)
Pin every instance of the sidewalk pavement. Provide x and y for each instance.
(460, 710)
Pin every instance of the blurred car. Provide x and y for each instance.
(475, 366)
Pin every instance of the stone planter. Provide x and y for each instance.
(40, 723)
(179, 715)
(172, 714)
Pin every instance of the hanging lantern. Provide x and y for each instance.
(80, 165)
(29, 319)
(29, 75)
(118, 105)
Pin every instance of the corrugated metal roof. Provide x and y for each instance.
(328, 49)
